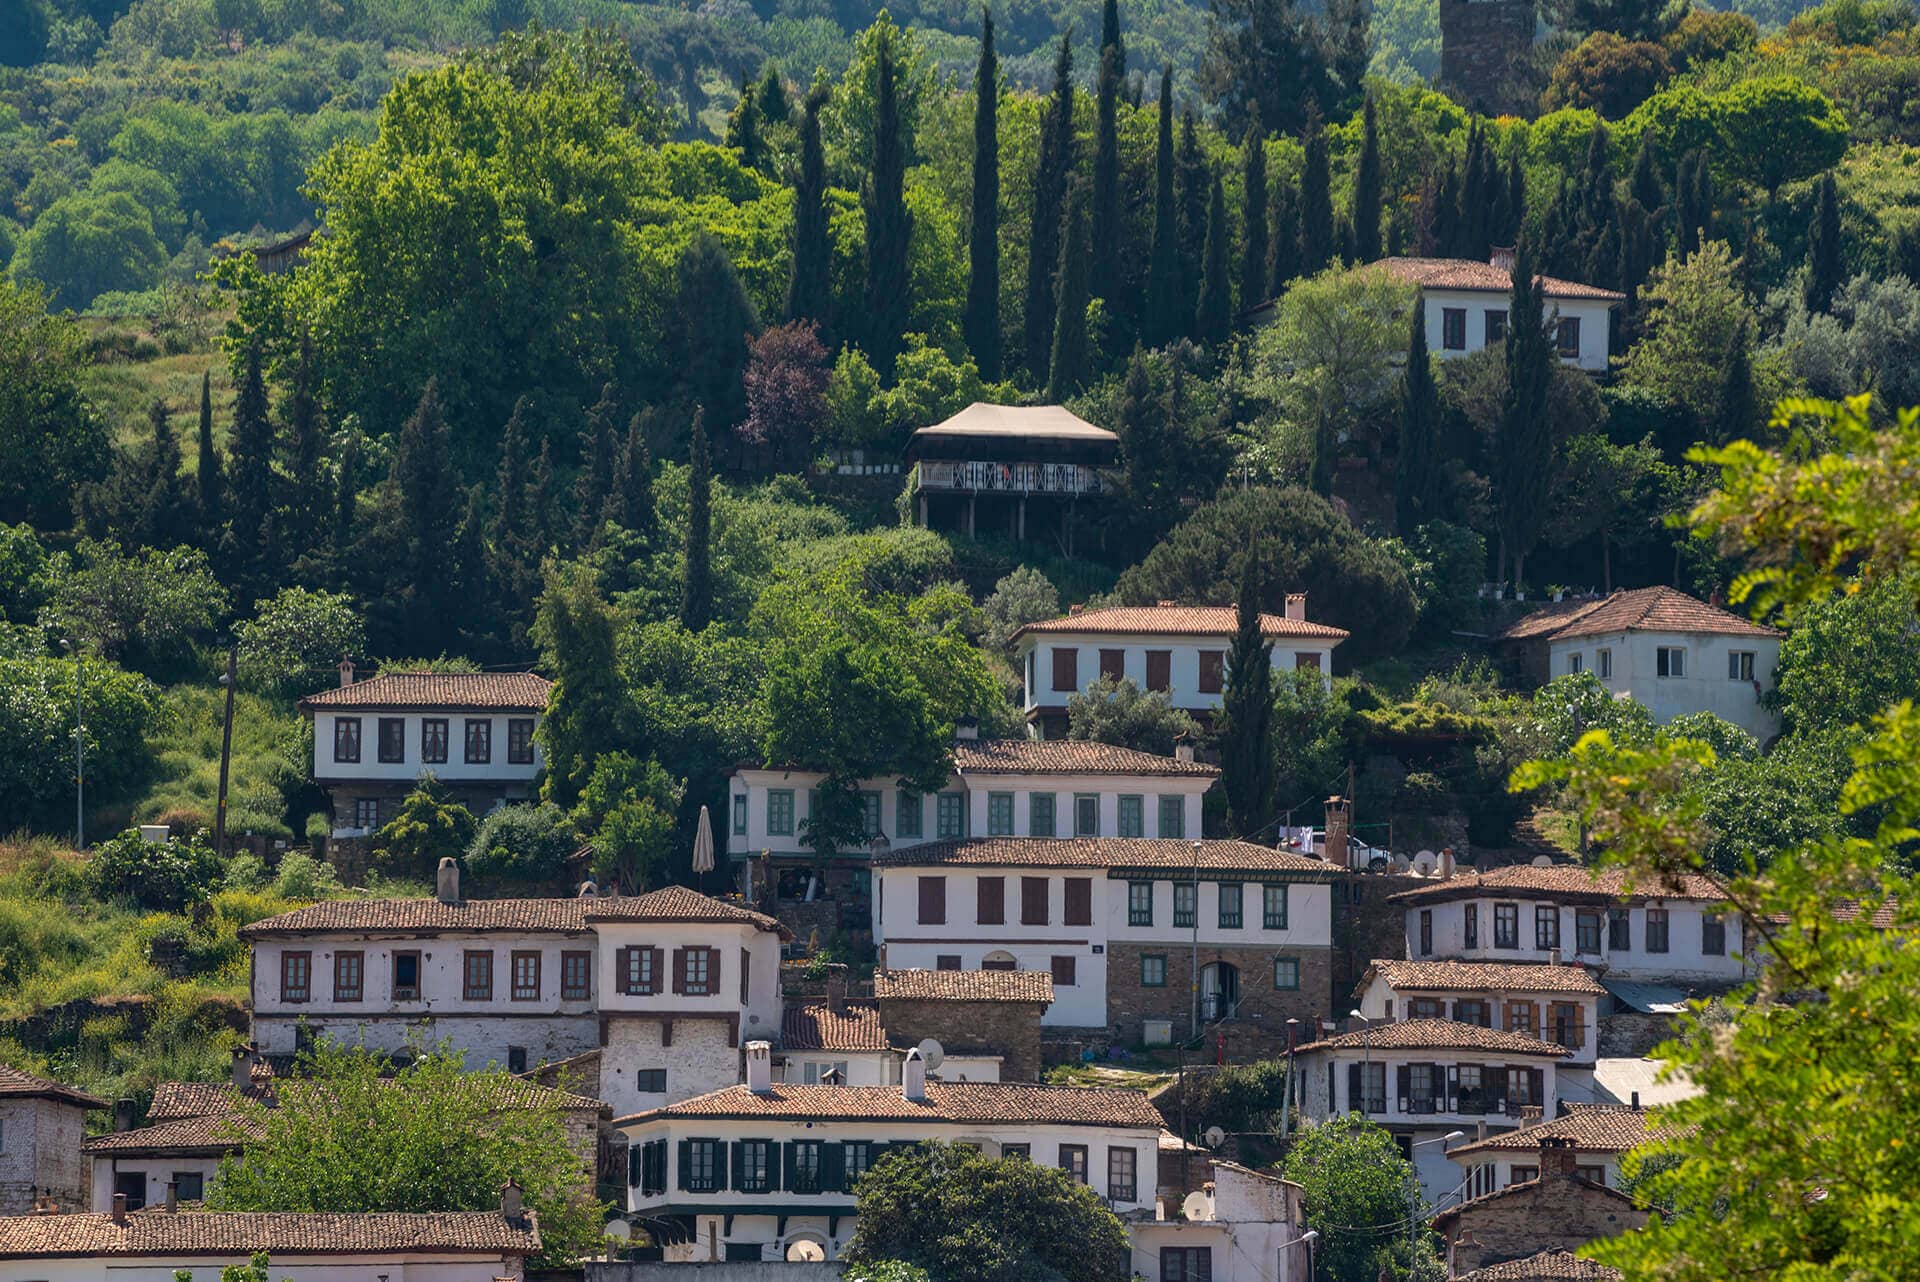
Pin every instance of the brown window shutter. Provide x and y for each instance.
(1079, 906)
(933, 901)
(1113, 664)
(657, 979)
(620, 969)
(993, 901)
(679, 970)
(1066, 669)
(1159, 669)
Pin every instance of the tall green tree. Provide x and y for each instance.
(1739, 409)
(1108, 221)
(590, 710)
(1193, 176)
(304, 526)
(1316, 203)
(210, 482)
(696, 596)
(426, 494)
(1114, 710)
(346, 510)
(1067, 369)
(599, 446)
(1049, 202)
(1351, 1172)
(1161, 321)
(630, 502)
(810, 289)
(1367, 191)
(1213, 320)
(1110, 37)
(1253, 219)
(1825, 269)
(745, 133)
(250, 443)
(1523, 470)
(165, 510)
(514, 536)
(1283, 237)
(981, 326)
(1246, 712)
(715, 322)
(889, 226)
(1416, 489)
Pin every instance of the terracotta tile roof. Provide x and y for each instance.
(1112, 853)
(1607, 885)
(567, 916)
(174, 1100)
(1003, 1102)
(1437, 1035)
(1656, 609)
(1883, 916)
(1066, 757)
(816, 1026)
(678, 904)
(280, 1233)
(1599, 1128)
(1525, 1188)
(1169, 618)
(963, 985)
(1548, 1266)
(1469, 273)
(501, 691)
(207, 1135)
(22, 1085)
(1473, 977)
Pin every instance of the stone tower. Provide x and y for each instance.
(1483, 47)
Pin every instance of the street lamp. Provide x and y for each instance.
(1307, 1240)
(226, 756)
(1413, 1189)
(79, 752)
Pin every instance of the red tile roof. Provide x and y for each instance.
(963, 985)
(816, 1026)
(566, 916)
(983, 418)
(207, 1135)
(1607, 885)
(1471, 274)
(1525, 1188)
(173, 1100)
(1004, 1102)
(1599, 1128)
(402, 691)
(1437, 1035)
(1656, 609)
(1548, 1266)
(280, 1233)
(1473, 977)
(1169, 618)
(16, 1084)
(1111, 853)
(1067, 757)
(678, 904)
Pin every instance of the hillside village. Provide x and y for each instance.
(1077, 641)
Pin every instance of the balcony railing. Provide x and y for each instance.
(1010, 478)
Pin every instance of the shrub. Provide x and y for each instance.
(430, 826)
(169, 875)
(522, 843)
(301, 876)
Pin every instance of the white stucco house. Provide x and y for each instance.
(473, 731)
(1468, 302)
(1556, 1003)
(1673, 653)
(1246, 1227)
(1179, 650)
(41, 1125)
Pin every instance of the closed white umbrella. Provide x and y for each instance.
(703, 844)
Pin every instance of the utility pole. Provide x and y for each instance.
(226, 756)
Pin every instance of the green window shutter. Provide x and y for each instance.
(739, 1167)
(686, 1162)
(633, 1165)
(833, 1168)
(789, 1150)
(719, 1165)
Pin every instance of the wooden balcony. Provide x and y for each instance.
(1016, 479)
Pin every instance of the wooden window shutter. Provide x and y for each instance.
(739, 1167)
(1355, 1090)
(1079, 908)
(680, 970)
(685, 1163)
(774, 1182)
(746, 977)
(1536, 1086)
(719, 1165)
(656, 981)
(621, 969)
(993, 901)
(1453, 1088)
(791, 1162)
(833, 1168)
(1403, 1081)
(1496, 1084)
(635, 1165)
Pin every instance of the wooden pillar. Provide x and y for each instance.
(970, 514)
(923, 509)
(1022, 534)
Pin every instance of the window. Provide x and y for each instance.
(346, 738)
(1073, 1160)
(1656, 930)
(1740, 665)
(1133, 821)
(1669, 661)
(805, 1155)
(1472, 926)
(1122, 1184)
(1063, 970)
(520, 741)
(189, 1186)
(349, 975)
(476, 983)
(780, 812)
(999, 814)
(1286, 974)
(576, 976)
(1523, 1175)
(1422, 1083)
(947, 961)
(1212, 666)
(1496, 326)
(1371, 1081)
(1033, 901)
(406, 976)
(1273, 906)
(1565, 1025)
(296, 976)
(1086, 815)
(1453, 329)
(1186, 1264)
(1471, 1084)
(1713, 936)
(393, 739)
(1426, 932)
(753, 1166)
(933, 901)
(857, 1157)
(1519, 1017)
(740, 814)
(131, 1185)
(433, 740)
(1567, 333)
(814, 1072)
(1186, 903)
(366, 813)
(1040, 814)
(1473, 1010)
(746, 977)
(1506, 925)
(1230, 900)
(701, 1167)
(950, 816)
(638, 971)
(1022, 1151)
(908, 820)
(999, 961)
(1575, 663)
(1153, 970)
(1619, 930)
(526, 977)
(1078, 907)
(479, 741)
(1113, 664)
(1603, 664)
(647, 1167)
(1160, 670)
(697, 967)
(1426, 1008)
(1586, 930)
(1066, 669)
(990, 901)
(1139, 903)
(1173, 817)
(1546, 926)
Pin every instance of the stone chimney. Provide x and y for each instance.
(244, 1058)
(1339, 819)
(513, 1202)
(1558, 1157)
(1297, 607)
(913, 1077)
(967, 729)
(1446, 862)
(836, 988)
(1501, 257)
(119, 1208)
(173, 1196)
(124, 1111)
(446, 882)
(1074, 609)
(1183, 747)
(346, 671)
(760, 1067)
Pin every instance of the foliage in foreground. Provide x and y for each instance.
(1356, 1181)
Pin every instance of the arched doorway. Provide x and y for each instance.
(1219, 991)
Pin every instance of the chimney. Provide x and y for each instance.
(1716, 598)
(1553, 956)
(173, 1196)
(913, 1077)
(1339, 817)
(760, 1067)
(1297, 607)
(1501, 257)
(1635, 1097)
(1074, 609)
(1183, 747)
(1446, 862)
(244, 1058)
(832, 1077)
(123, 1114)
(513, 1203)
(589, 890)
(836, 987)
(119, 1208)
(1558, 1158)
(446, 883)
(968, 728)
(346, 671)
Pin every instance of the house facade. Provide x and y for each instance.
(1247, 1228)
(41, 1125)
(1672, 653)
(1120, 924)
(1023, 471)
(1468, 303)
(1559, 1209)
(1558, 1004)
(1601, 1135)
(373, 740)
(766, 1171)
(1178, 650)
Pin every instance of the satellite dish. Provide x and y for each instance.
(1543, 861)
(619, 1229)
(1197, 1206)
(1214, 1136)
(932, 1052)
(1425, 861)
(806, 1249)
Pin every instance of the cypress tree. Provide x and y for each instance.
(1195, 181)
(599, 444)
(889, 227)
(1283, 240)
(1163, 266)
(1107, 223)
(774, 107)
(1824, 269)
(1523, 468)
(630, 502)
(1068, 367)
(471, 576)
(428, 496)
(1246, 711)
(1110, 37)
(810, 289)
(1476, 183)
(1417, 473)
(306, 434)
(715, 321)
(209, 482)
(982, 324)
(1515, 205)
(346, 506)
(250, 443)
(1905, 252)
(1449, 237)
(1367, 191)
(1316, 203)
(743, 130)
(1253, 219)
(1643, 184)
(514, 538)
(696, 597)
(540, 502)
(165, 523)
(1049, 199)
(1693, 203)
(1739, 407)
(1213, 320)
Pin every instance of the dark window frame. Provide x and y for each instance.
(1453, 329)
(1139, 903)
(390, 740)
(519, 741)
(515, 989)
(478, 737)
(346, 959)
(433, 741)
(472, 989)
(346, 740)
(1506, 925)
(576, 965)
(296, 976)
(408, 992)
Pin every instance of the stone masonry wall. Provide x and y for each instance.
(1365, 926)
(1008, 1029)
(1558, 1212)
(42, 1152)
(1261, 1026)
